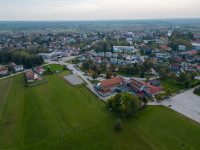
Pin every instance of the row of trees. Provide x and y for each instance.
(183, 78)
(107, 46)
(125, 104)
(180, 38)
(21, 57)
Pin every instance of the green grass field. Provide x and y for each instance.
(175, 86)
(56, 116)
(54, 67)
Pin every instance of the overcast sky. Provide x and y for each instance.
(97, 9)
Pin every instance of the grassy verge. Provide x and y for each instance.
(94, 81)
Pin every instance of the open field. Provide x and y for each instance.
(56, 115)
(54, 67)
(175, 86)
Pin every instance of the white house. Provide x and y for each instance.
(181, 47)
(18, 68)
(4, 71)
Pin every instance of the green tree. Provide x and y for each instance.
(94, 75)
(168, 92)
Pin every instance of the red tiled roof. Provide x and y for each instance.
(29, 75)
(97, 58)
(105, 92)
(178, 59)
(4, 69)
(189, 67)
(192, 52)
(111, 83)
(152, 89)
(175, 65)
(136, 83)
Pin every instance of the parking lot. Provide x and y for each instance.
(74, 79)
(186, 103)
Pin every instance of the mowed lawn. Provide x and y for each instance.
(56, 116)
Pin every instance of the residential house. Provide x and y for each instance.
(178, 60)
(192, 52)
(12, 64)
(124, 56)
(105, 60)
(174, 67)
(196, 46)
(123, 49)
(115, 55)
(181, 47)
(29, 76)
(189, 68)
(120, 62)
(198, 68)
(18, 68)
(39, 70)
(108, 54)
(197, 57)
(165, 47)
(3, 71)
(97, 60)
(100, 54)
(113, 61)
(81, 58)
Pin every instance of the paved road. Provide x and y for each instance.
(11, 75)
(186, 103)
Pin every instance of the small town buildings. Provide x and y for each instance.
(174, 67)
(97, 60)
(81, 58)
(18, 68)
(108, 54)
(100, 54)
(113, 61)
(123, 49)
(189, 68)
(105, 60)
(106, 87)
(196, 46)
(12, 64)
(39, 70)
(3, 71)
(120, 62)
(124, 56)
(115, 55)
(142, 88)
(29, 76)
(192, 52)
(181, 47)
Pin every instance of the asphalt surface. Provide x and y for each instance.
(186, 103)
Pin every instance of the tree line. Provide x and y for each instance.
(21, 57)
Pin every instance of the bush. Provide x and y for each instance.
(118, 125)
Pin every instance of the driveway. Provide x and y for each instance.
(186, 103)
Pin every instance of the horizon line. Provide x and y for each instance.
(96, 20)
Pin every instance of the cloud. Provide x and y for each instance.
(97, 9)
